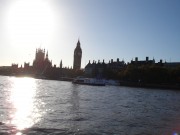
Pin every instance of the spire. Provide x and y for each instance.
(47, 55)
(78, 43)
(61, 64)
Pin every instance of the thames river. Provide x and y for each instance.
(33, 106)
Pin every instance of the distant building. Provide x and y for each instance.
(26, 65)
(41, 61)
(116, 65)
(77, 57)
(142, 62)
(100, 68)
(93, 69)
(14, 66)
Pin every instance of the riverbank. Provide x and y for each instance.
(122, 83)
(151, 85)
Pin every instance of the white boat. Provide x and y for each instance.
(112, 82)
(89, 81)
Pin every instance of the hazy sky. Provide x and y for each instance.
(107, 29)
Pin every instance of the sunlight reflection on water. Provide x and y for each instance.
(22, 97)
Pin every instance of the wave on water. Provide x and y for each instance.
(12, 130)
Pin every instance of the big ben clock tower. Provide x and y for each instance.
(77, 57)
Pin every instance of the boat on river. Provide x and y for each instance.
(112, 82)
(89, 81)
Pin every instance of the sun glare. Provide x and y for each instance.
(25, 112)
(29, 22)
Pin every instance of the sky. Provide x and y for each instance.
(107, 29)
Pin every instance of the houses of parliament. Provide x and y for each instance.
(42, 61)
(42, 66)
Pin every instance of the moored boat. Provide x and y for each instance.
(112, 82)
(89, 81)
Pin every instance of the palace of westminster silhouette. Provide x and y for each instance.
(42, 66)
(42, 62)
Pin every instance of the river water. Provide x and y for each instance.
(33, 106)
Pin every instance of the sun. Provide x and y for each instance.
(30, 22)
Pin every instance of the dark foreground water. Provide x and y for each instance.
(31, 106)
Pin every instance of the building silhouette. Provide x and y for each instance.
(77, 57)
(142, 62)
(61, 64)
(41, 61)
(101, 68)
